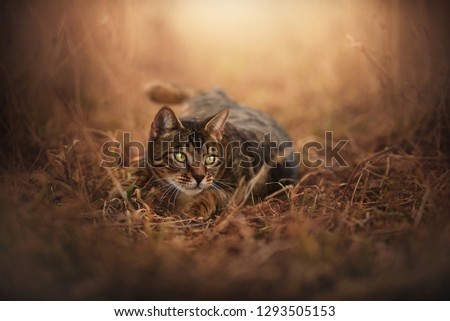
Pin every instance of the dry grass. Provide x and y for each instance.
(377, 74)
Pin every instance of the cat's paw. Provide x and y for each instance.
(199, 209)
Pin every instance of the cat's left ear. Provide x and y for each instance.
(215, 125)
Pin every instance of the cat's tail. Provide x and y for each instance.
(165, 93)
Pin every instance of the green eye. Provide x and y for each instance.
(181, 157)
(210, 159)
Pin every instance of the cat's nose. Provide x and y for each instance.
(198, 178)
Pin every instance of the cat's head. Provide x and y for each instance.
(188, 154)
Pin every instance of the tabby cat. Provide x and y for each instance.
(217, 153)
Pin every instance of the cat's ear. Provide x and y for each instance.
(215, 125)
(165, 121)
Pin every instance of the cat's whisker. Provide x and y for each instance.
(163, 196)
(227, 192)
(226, 184)
(167, 192)
(172, 194)
(220, 192)
(221, 181)
(156, 189)
(177, 191)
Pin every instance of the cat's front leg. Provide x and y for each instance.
(205, 205)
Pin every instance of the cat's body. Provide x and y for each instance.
(218, 152)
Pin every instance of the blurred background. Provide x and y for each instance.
(314, 65)
(374, 72)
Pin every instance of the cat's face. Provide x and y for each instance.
(188, 155)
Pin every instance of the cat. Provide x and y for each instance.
(216, 153)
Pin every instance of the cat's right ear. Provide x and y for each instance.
(165, 121)
(216, 124)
